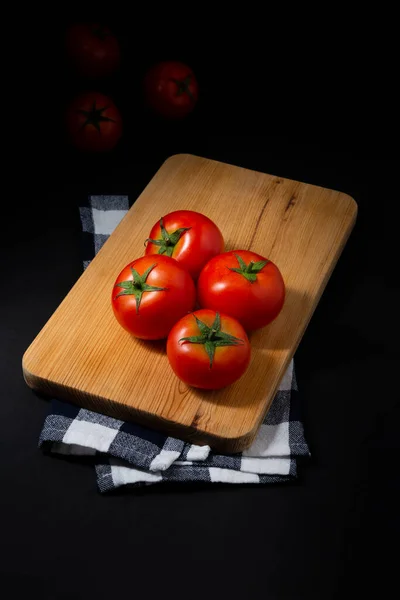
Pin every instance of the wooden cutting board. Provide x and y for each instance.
(83, 355)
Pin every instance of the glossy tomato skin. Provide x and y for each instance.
(190, 362)
(84, 134)
(93, 49)
(254, 304)
(171, 89)
(158, 310)
(196, 246)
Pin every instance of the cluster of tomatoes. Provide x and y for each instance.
(94, 122)
(184, 267)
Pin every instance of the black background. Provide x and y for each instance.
(331, 124)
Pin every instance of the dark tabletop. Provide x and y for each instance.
(327, 533)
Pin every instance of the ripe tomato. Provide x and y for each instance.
(244, 285)
(188, 236)
(208, 350)
(171, 89)
(93, 122)
(93, 49)
(150, 295)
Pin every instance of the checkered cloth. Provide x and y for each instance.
(129, 454)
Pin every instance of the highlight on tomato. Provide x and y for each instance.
(208, 349)
(188, 236)
(150, 295)
(242, 284)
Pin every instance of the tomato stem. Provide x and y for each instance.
(183, 86)
(137, 286)
(251, 270)
(212, 337)
(94, 116)
(168, 241)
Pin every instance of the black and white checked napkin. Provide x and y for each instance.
(129, 454)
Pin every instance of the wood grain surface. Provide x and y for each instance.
(84, 356)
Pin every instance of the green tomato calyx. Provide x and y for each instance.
(94, 116)
(137, 286)
(212, 337)
(168, 241)
(251, 270)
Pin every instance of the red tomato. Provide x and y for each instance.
(244, 285)
(171, 89)
(150, 295)
(208, 350)
(94, 123)
(93, 49)
(188, 236)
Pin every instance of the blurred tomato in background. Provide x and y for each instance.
(171, 89)
(93, 122)
(92, 49)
